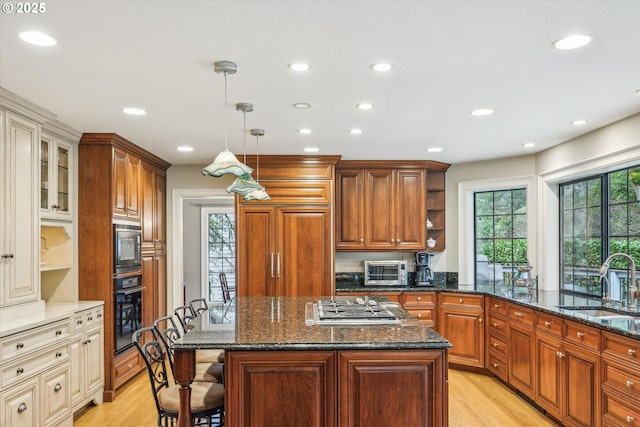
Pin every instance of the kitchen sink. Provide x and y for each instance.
(600, 312)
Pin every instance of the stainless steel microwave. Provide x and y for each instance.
(385, 273)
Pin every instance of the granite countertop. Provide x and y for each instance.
(548, 301)
(278, 323)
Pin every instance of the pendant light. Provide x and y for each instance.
(258, 194)
(226, 162)
(244, 184)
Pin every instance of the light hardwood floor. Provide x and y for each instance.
(475, 400)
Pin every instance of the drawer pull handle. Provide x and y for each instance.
(419, 314)
(57, 388)
(560, 354)
(22, 408)
(99, 315)
(79, 322)
(629, 383)
(547, 324)
(58, 354)
(579, 334)
(495, 325)
(90, 318)
(129, 366)
(495, 365)
(20, 371)
(20, 345)
(58, 332)
(480, 320)
(496, 305)
(419, 298)
(519, 314)
(496, 344)
(460, 300)
(631, 352)
(629, 419)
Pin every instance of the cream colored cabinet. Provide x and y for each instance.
(87, 357)
(19, 405)
(19, 280)
(56, 177)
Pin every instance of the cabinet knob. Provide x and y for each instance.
(460, 300)
(129, 366)
(629, 383)
(547, 324)
(362, 240)
(496, 344)
(89, 319)
(579, 335)
(496, 305)
(419, 314)
(495, 325)
(99, 315)
(58, 332)
(631, 352)
(495, 365)
(20, 371)
(22, 408)
(560, 354)
(58, 354)
(57, 388)
(79, 322)
(20, 345)
(419, 298)
(480, 320)
(629, 419)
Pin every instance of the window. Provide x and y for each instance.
(599, 216)
(500, 236)
(219, 250)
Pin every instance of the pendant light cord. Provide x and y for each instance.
(257, 160)
(226, 147)
(244, 136)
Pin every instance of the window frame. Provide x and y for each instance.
(205, 211)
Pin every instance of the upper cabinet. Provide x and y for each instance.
(126, 184)
(435, 210)
(384, 205)
(19, 138)
(56, 177)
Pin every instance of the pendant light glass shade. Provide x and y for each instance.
(245, 183)
(258, 193)
(226, 162)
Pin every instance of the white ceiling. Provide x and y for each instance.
(449, 57)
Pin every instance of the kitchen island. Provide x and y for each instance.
(283, 371)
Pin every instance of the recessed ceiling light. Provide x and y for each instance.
(304, 131)
(37, 38)
(355, 131)
(482, 112)
(638, 91)
(311, 149)
(134, 111)
(579, 122)
(365, 106)
(302, 105)
(185, 148)
(528, 145)
(382, 67)
(573, 41)
(434, 150)
(299, 66)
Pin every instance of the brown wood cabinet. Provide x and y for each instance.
(436, 208)
(621, 380)
(284, 245)
(336, 388)
(460, 320)
(118, 180)
(383, 205)
(422, 306)
(497, 344)
(521, 346)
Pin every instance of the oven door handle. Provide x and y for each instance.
(130, 291)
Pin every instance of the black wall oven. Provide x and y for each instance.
(127, 248)
(128, 310)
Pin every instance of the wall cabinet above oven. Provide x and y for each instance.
(383, 205)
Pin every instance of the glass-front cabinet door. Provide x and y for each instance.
(56, 159)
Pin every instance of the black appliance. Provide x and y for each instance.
(423, 269)
(128, 310)
(127, 248)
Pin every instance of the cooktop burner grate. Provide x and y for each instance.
(345, 312)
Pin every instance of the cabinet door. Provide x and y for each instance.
(582, 393)
(256, 267)
(521, 358)
(548, 384)
(464, 330)
(147, 196)
(56, 178)
(350, 209)
(94, 354)
(303, 259)
(160, 221)
(379, 208)
(19, 263)
(160, 268)
(134, 166)
(150, 290)
(77, 378)
(20, 405)
(119, 182)
(411, 226)
(56, 394)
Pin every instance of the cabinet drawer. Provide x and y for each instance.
(520, 314)
(425, 316)
(17, 371)
(26, 342)
(87, 318)
(296, 192)
(127, 366)
(623, 348)
(467, 300)
(497, 365)
(616, 412)
(583, 335)
(624, 380)
(497, 306)
(496, 324)
(498, 344)
(417, 299)
(548, 323)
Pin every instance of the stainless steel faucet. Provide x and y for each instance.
(633, 292)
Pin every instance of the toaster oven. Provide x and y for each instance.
(385, 273)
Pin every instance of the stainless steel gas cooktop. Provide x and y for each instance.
(348, 312)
